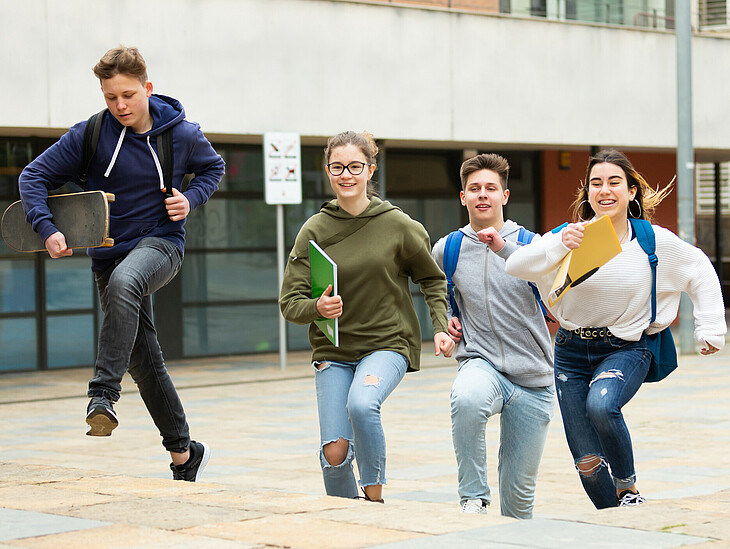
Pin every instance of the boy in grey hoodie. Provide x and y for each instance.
(503, 349)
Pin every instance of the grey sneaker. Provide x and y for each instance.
(627, 498)
(474, 506)
(191, 469)
(101, 417)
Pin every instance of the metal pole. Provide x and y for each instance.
(382, 170)
(718, 222)
(280, 268)
(685, 160)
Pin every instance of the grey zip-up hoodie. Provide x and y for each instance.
(501, 320)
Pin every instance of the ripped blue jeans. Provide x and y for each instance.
(594, 379)
(349, 397)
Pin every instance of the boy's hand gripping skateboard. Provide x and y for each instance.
(83, 219)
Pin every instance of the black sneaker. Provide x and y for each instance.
(101, 417)
(627, 498)
(191, 469)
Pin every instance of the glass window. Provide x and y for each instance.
(314, 180)
(244, 168)
(424, 317)
(232, 223)
(70, 340)
(439, 216)
(297, 336)
(417, 173)
(295, 216)
(14, 156)
(230, 276)
(69, 283)
(216, 330)
(18, 347)
(17, 286)
(523, 188)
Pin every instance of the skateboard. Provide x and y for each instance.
(82, 217)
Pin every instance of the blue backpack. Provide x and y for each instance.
(451, 258)
(661, 344)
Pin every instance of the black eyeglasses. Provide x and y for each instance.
(355, 168)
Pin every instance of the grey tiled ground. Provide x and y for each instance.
(548, 534)
(263, 487)
(15, 524)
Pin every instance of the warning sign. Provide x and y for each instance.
(282, 168)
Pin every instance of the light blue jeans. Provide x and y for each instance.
(479, 392)
(349, 398)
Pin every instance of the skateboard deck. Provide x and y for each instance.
(83, 218)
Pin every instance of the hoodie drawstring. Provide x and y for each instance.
(157, 164)
(116, 152)
(154, 156)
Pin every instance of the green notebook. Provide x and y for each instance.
(323, 273)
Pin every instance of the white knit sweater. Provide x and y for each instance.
(618, 295)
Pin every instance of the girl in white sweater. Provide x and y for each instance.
(598, 371)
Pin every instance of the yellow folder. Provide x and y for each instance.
(599, 245)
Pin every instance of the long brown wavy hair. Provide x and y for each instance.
(646, 197)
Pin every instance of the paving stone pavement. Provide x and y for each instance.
(263, 486)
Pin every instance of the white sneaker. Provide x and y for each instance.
(474, 506)
(630, 499)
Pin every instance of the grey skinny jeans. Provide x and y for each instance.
(128, 339)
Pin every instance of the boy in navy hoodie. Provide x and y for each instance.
(149, 239)
(504, 350)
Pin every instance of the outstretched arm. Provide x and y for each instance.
(543, 256)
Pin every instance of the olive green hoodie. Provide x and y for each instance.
(373, 267)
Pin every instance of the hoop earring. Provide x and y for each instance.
(633, 200)
(578, 209)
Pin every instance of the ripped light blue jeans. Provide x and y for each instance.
(480, 392)
(594, 379)
(349, 398)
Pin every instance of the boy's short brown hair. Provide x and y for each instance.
(493, 162)
(121, 60)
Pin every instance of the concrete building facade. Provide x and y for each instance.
(433, 81)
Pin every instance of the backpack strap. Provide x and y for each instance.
(165, 152)
(524, 237)
(88, 148)
(647, 241)
(451, 258)
(352, 227)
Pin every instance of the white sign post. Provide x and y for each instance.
(282, 185)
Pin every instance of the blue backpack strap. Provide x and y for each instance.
(660, 344)
(524, 237)
(451, 258)
(647, 241)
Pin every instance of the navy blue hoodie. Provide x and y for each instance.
(126, 164)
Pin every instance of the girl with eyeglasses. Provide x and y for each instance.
(601, 353)
(377, 249)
